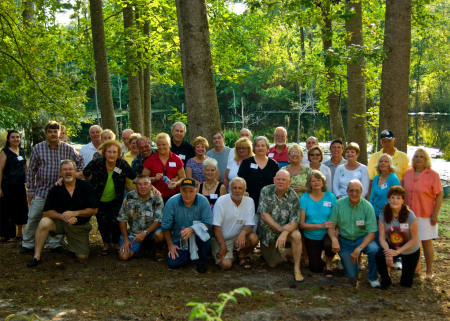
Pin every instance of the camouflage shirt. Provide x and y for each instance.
(140, 214)
(283, 210)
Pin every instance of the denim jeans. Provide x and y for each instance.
(184, 256)
(351, 269)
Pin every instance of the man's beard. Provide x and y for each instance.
(280, 143)
(236, 198)
(68, 179)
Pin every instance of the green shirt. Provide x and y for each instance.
(353, 221)
(301, 178)
(109, 192)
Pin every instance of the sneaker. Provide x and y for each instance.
(34, 262)
(375, 284)
(57, 249)
(201, 268)
(25, 250)
(398, 265)
(340, 266)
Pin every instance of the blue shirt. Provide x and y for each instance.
(176, 215)
(317, 213)
(378, 194)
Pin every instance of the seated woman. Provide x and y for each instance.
(399, 236)
(315, 157)
(315, 209)
(243, 150)
(194, 166)
(211, 187)
(299, 173)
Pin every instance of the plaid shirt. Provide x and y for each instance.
(43, 170)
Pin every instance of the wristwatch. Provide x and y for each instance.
(145, 232)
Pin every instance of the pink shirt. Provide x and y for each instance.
(421, 193)
(279, 157)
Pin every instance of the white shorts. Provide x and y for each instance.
(426, 230)
(215, 247)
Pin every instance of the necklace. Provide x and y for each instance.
(209, 188)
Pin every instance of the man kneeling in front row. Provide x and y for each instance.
(142, 210)
(67, 210)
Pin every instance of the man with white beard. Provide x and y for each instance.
(67, 210)
(279, 152)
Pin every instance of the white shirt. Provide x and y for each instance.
(87, 151)
(232, 218)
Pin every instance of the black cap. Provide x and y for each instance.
(188, 182)
(387, 134)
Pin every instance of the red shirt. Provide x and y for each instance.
(155, 166)
(281, 157)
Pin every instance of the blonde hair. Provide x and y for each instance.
(243, 142)
(391, 163)
(296, 146)
(199, 140)
(425, 154)
(108, 131)
(134, 136)
(163, 136)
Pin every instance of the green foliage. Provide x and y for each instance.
(177, 116)
(14, 316)
(213, 311)
(231, 137)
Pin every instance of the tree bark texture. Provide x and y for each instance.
(197, 69)
(356, 131)
(28, 15)
(134, 92)
(101, 66)
(336, 124)
(395, 71)
(147, 92)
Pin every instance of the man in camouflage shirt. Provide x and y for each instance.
(279, 207)
(142, 210)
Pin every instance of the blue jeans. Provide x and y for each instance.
(184, 256)
(351, 269)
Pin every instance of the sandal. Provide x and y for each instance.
(429, 277)
(104, 252)
(245, 262)
(328, 273)
(298, 277)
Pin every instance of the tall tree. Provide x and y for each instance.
(356, 85)
(147, 90)
(101, 66)
(395, 70)
(197, 69)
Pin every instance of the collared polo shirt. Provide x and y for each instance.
(279, 157)
(332, 167)
(185, 151)
(88, 152)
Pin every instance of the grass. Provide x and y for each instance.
(444, 216)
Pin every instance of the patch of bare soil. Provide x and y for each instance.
(102, 288)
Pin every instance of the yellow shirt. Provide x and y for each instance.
(400, 160)
(128, 158)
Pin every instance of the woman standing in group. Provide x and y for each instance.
(399, 237)
(259, 170)
(243, 150)
(424, 195)
(211, 187)
(351, 170)
(194, 166)
(13, 194)
(315, 209)
(108, 175)
(164, 165)
(134, 151)
(299, 173)
(106, 134)
(315, 157)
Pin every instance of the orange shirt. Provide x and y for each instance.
(421, 193)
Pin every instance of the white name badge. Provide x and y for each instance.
(213, 196)
(404, 226)
(359, 223)
(117, 170)
(327, 204)
(384, 186)
(183, 157)
(172, 164)
(253, 165)
(270, 155)
(19, 158)
(240, 222)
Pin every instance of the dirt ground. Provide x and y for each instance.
(102, 288)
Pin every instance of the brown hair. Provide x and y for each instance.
(199, 140)
(317, 174)
(52, 125)
(352, 146)
(404, 211)
(312, 149)
(103, 147)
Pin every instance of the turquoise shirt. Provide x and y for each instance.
(317, 213)
(353, 221)
(378, 194)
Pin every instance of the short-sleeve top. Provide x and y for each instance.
(378, 194)
(233, 168)
(155, 166)
(317, 212)
(256, 177)
(197, 170)
(300, 179)
(421, 193)
(398, 234)
(15, 167)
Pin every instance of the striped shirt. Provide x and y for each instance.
(43, 170)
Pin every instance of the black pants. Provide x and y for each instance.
(107, 221)
(409, 262)
(314, 249)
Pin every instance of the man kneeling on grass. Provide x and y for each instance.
(142, 210)
(67, 210)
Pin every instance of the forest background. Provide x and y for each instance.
(286, 62)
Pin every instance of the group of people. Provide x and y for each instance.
(186, 202)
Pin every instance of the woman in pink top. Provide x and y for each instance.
(424, 195)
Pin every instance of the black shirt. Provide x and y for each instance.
(185, 151)
(84, 196)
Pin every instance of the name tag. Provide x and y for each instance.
(117, 170)
(327, 204)
(384, 186)
(254, 166)
(19, 158)
(240, 222)
(172, 164)
(356, 174)
(213, 196)
(183, 157)
(270, 155)
(359, 223)
(148, 213)
(404, 226)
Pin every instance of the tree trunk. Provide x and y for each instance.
(28, 12)
(147, 91)
(101, 66)
(134, 93)
(356, 85)
(197, 69)
(336, 124)
(395, 71)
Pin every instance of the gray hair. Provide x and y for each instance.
(282, 128)
(257, 139)
(391, 163)
(178, 123)
(210, 162)
(67, 161)
(355, 181)
(143, 176)
(239, 179)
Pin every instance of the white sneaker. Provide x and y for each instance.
(340, 266)
(398, 265)
(375, 283)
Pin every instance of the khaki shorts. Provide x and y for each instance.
(77, 236)
(271, 254)
(215, 247)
